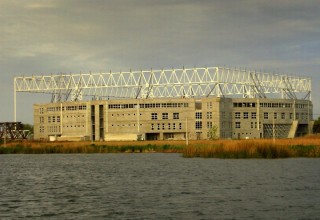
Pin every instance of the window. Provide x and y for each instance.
(154, 116)
(253, 115)
(275, 115)
(291, 115)
(180, 126)
(238, 124)
(53, 119)
(163, 126)
(198, 125)
(168, 136)
(209, 105)
(174, 126)
(49, 119)
(245, 115)
(209, 124)
(158, 126)
(237, 115)
(169, 126)
(152, 126)
(165, 116)
(198, 115)
(265, 115)
(297, 115)
(209, 115)
(175, 115)
(251, 124)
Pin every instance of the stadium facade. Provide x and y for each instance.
(177, 104)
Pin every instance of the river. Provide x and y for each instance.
(157, 186)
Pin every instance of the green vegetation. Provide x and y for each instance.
(282, 148)
(92, 148)
(316, 126)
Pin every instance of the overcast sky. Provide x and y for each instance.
(71, 36)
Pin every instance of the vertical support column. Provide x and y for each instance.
(61, 119)
(294, 110)
(93, 121)
(14, 101)
(101, 122)
(187, 138)
(258, 114)
(138, 116)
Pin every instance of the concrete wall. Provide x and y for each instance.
(166, 118)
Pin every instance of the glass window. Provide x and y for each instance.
(154, 116)
(175, 115)
(198, 125)
(238, 124)
(198, 115)
(165, 116)
(237, 115)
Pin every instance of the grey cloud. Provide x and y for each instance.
(43, 37)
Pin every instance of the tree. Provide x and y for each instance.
(28, 127)
(213, 132)
(316, 126)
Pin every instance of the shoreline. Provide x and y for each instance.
(265, 148)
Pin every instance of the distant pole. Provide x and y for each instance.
(5, 134)
(187, 141)
(14, 101)
(273, 130)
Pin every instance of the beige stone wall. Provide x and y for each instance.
(165, 118)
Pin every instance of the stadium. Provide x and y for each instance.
(170, 104)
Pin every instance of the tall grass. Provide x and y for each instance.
(299, 147)
(86, 147)
(251, 149)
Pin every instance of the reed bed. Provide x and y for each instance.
(264, 148)
(300, 147)
(27, 147)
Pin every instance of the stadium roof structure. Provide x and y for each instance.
(165, 83)
(185, 82)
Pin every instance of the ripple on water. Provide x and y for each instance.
(156, 186)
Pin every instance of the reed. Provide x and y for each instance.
(87, 147)
(262, 148)
(251, 149)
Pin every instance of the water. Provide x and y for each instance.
(157, 186)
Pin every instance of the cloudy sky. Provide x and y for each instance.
(53, 36)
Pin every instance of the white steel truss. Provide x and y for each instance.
(192, 82)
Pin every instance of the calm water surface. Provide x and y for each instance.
(157, 186)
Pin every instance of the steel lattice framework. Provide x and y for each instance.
(192, 82)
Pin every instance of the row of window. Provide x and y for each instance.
(149, 105)
(67, 108)
(129, 125)
(56, 128)
(53, 119)
(154, 116)
(276, 115)
(267, 105)
(253, 124)
(168, 126)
